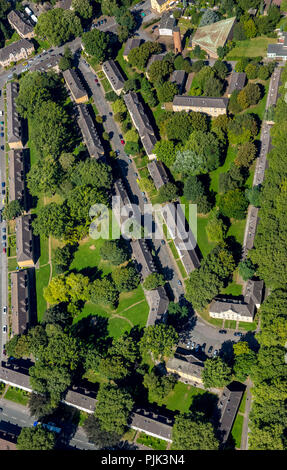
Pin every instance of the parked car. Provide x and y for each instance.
(2, 134)
(3, 192)
(4, 250)
(4, 310)
(110, 113)
(2, 147)
(4, 229)
(122, 142)
(162, 242)
(188, 344)
(203, 347)
(96, 80)
(197, 347)
(4, 328)
(135, 174)
(192, 345)
(2, 123)
(238, 333)
(4, 354)
(130, 160)
(179, 282)
(210, 349)
(117, 152)
(222, 332)
(4, 244)
(3, 184)
(145, 200)
(3, 237)
(215, 353)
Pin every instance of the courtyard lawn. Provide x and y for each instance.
(17, 395)
(247, 326)
(251, 47)
(150, 441)
(181, 268)
(243, 403)
(181, 397)
(259, 108)
(88, 257)
(237, 229)
(106, 85)
(237, 430)
(231, 324)
(12, 264)
(42, 280)
(204, 244)
(214, 175)
(129, 435)
(44, 251)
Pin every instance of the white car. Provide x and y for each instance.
(4, 329)
(4, 310)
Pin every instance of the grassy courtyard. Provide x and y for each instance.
(251, 47)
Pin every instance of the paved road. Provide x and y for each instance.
(14, 416)
(129, 173)
(3, 258)
(245, 429)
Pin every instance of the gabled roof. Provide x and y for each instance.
(200, 101)
(20, 301)
(24, 238)
(158, 304)
(228, 405)
(131, 44)
(143, 257)
(89, 132)
(15, 48)
(214, 35)
(16, 175)
(237, 81)
(158, 173)
(13, 118)
(113, 73)
(74, 83)
(20, 22)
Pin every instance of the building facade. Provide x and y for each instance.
(75, 86)
(212, 106)
(14, 124)
(16, 51)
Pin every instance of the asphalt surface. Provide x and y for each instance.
(3, 257)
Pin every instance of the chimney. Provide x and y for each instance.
(177, 40)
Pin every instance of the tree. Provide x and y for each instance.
(90, 172)
(65, 62)
(233, 204)
(103, 291)
(208, 17)
(58, 315)
(251, 71)
(167, 192)
(159, 70)
(253, 195)
(51, 132)
(158, 386)
(246, 154)
(213, 87)
(126, 279)
(246, 269)
(58, 26)
(82, 198)
(97, 44)
(35, 438)
(63, 288)
(113, 408)
(215, 228)
(195, 192)
(191, 431)
(164, 150)
(114, 251)
(154, 280)
(220, 69)
(18, 346)
(250, 29)
(263, 73)
(249, 95)
(158, 340)
(139, 56)
(132, 84)
(132, 148)
(216, 373)
(113, 367)
(63, 258)
(244, 360)
(53, 219)
(39, 405)
(233, 179)
(99, 436)
(67, 161)
(239, 32)
(44, 177)
(83, 8)
(12, 210)
(177, 315)
(166, 92)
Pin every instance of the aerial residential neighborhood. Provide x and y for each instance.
(143, 164)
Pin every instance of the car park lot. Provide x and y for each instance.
(202, 340)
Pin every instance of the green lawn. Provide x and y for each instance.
(230, 324)
(237, 229)
(17, 395)
(106, 85)
(15, 37)
(42, 280)
(182, 397)
(243, 403)
(181, 268)
(237, 430)
(150, 441)
(129, 435)
(173, 249)
(232, 289)
(12, 264)
(260, 107)
(44, 250)
(247, 326)
(251, 47)
(204, 244)
(214, 175)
